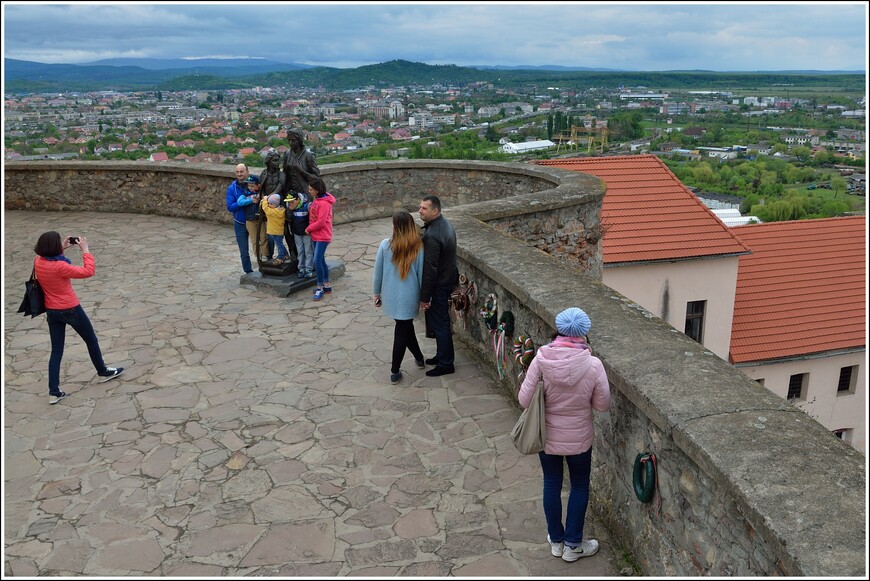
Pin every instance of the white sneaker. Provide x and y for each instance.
(556, 548)
(584, 549)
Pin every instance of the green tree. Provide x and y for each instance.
(625, 125)
(803, 153)
(823, 156)
(831, 208)
(838, 185)
(704, 174)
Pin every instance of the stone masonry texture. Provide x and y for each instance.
(745, 480)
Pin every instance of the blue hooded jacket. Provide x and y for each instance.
(238, 196)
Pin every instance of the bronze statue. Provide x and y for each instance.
(298, 164)
(271, 178)
(272, 182)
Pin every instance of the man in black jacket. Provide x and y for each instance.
(440, 277)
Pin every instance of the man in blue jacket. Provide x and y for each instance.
(238, 197)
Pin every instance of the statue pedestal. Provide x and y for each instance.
(284, 286)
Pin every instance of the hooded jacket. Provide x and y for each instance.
(238, 197)
(320, 218)
(575, 383)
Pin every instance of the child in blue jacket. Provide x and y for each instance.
(297, 213)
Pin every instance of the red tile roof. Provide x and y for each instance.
(649, 215)
(802, 290)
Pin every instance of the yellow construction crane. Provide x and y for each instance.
(579, 131)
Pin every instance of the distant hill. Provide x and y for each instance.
(216, 74)
(128, 74)
(392, 73)
(31, 76)
(555, 68)
(161, 64)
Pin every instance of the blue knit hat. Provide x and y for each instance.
(573, 322)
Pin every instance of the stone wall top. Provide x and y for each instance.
(798, 486)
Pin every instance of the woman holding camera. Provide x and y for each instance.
(54, 272)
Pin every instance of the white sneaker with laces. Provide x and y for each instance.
(54, 398)
(584, 549)
(556, 548)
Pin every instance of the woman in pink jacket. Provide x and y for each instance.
(574, 384)
(320, 230)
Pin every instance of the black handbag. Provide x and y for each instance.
(34, 299)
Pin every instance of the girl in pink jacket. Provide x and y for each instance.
(574, 384)
(320, 230)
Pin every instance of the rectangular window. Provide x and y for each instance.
(848, 378)
(797, 386)
(844, 435)
(695, 320)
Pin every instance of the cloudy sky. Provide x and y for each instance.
(641, 36)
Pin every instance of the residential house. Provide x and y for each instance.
(663, 248)
(799, 317)
(159, 156)
(667, 252)
(205, 157)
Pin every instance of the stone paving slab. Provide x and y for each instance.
(251, 434)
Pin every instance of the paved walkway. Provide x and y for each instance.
(250, 434)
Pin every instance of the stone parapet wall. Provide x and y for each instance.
(552, 209)
(166, 189)
(747, 483)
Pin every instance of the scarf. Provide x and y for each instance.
(576, 342)
(58, 257)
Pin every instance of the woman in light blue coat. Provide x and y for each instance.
(397, 278)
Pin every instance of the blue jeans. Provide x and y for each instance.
(579, 467)
(304, 252)
(242, 240)
(320, 267)
(81, 324)
(438, 321)
(278, 241)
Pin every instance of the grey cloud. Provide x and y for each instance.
(646, 37)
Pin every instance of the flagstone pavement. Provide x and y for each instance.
(252, 434)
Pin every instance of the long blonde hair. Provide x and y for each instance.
(405, 242)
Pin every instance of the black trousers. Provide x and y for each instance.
(438, 322)
(404, 337)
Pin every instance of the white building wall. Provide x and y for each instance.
(670, 286)
(833, 410)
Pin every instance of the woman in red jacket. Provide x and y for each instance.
(62, 307)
